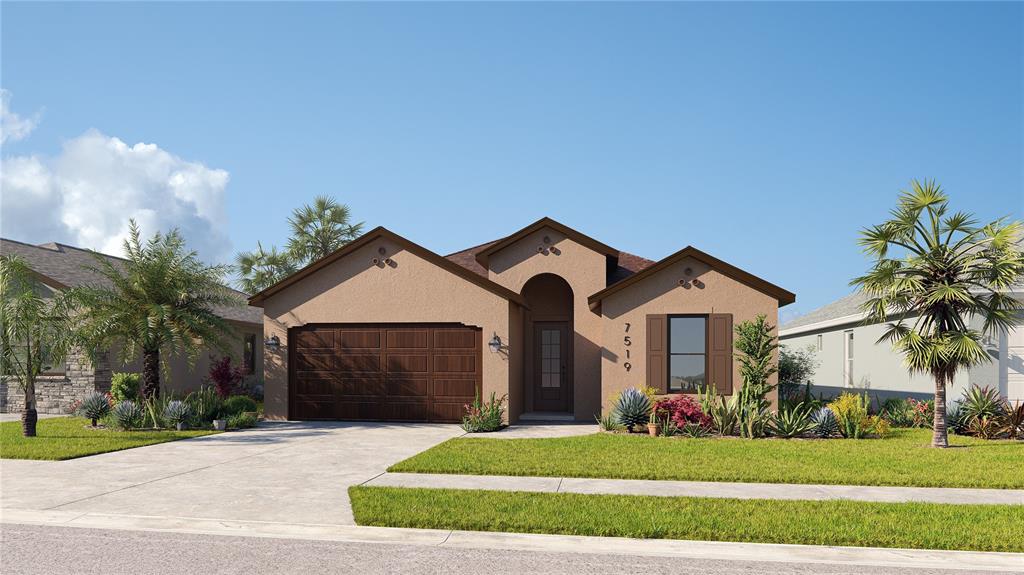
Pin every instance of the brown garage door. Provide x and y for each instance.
(385, 372)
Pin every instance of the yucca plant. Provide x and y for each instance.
(724, 413)
(609, 421)
(633, 408)
(792, 421)
(1012, 422)
(933, 271)
(981, 403)
(825, 423)
(128, 414)
(94, 407)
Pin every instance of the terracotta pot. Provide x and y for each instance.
(652, 429)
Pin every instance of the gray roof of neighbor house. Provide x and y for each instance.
(843, 307)
(69, 267)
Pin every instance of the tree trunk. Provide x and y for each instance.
(939, 436)
(151, 373)
(29, 415)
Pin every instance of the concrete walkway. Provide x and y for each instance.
(700, 488)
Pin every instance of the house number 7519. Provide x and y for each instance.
(628, 342)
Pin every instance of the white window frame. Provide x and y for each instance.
(848, 358)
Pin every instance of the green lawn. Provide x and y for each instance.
(847, 523)
(904, 458)
(67, 438)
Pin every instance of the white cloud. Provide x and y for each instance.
(12, 126)
(86, 194)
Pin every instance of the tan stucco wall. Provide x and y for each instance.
(662, 294)
(182, 377)
(585, 271)
(353, 290)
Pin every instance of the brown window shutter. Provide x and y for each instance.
(657, 352)
(720, 352)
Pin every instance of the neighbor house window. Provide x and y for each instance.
(249, 354)
(819, 342)
(687, 358)
(848, 358)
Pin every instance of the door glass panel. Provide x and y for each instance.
(550, 358)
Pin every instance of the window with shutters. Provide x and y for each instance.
(687, 353)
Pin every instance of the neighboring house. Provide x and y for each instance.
(59, 267)
(850, 357)
(560, 323)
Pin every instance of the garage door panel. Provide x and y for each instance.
(455, 339)
(319, 339)
(407, 339)
(356, 363)
(317, 361)
(369, 339)
(457, 388)
(406, 387)
(393, 372)
(407, 363)
(455, 364)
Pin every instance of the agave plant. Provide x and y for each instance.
(94, 406)
(633, 408)
(792, 421)
(724, 413)
(955, 417)
(128, 414)
(177, 412)
(694, 430)
(825, 423)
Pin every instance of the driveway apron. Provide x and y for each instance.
(293, 472)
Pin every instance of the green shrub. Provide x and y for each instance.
(897, 411)
(484, 416)
(851, 411)
(792, 421)
(205, 405)
(609, 421)
(94, 406)
(242, 420)
(124, 386)
(238, 404)
(633, 407)
(128, 414)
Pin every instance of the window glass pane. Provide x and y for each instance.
(686, 334)
(686, 373)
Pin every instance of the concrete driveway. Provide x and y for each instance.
(287, 472)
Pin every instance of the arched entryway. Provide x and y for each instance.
(549, 344)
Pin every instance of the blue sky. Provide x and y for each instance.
(766, 134)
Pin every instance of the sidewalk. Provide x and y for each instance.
(701, 488)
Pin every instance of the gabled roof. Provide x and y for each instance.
(381, 232)
(783, 296)
(62, 266)
(483, 255)
(845, 307)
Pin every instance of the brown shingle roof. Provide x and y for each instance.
(70, 267)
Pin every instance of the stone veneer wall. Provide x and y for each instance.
(55, 394)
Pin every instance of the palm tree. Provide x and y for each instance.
(320, 228)
(36, 332)
(161, 301)
(260, 269)
(945, 271)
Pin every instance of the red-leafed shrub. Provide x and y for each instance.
(682, 409)
(225, 377)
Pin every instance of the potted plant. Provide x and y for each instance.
(653, 425)
(220, 424)
(177, 413)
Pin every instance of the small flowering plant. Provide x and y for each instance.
(484, 415)
(922, 412)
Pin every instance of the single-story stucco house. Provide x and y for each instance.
(849, 356)
(557, 321)
(60, 266)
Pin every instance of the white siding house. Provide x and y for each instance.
(850, 359)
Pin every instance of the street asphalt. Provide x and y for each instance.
(28, 549)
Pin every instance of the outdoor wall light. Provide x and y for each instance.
(494, 344)
(273, 342)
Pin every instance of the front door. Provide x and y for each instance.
(551, 360)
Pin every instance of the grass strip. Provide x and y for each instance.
(903, 459)
(61, 438)
(844, 523)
